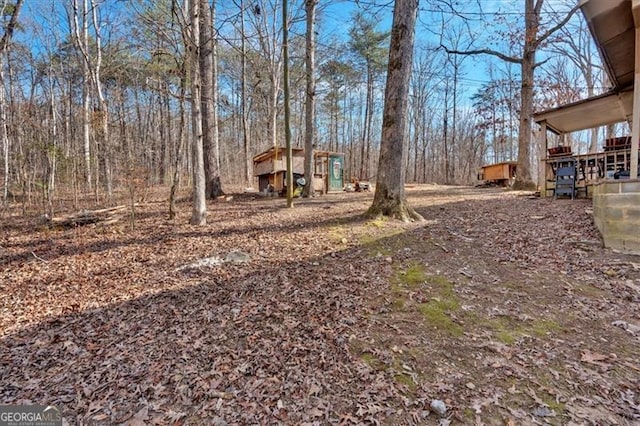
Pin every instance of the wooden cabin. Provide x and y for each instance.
(270, 167)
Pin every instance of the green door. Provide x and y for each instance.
(336, 172)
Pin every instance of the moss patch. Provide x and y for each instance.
(508, 331)
(413, 276)
(436, 313)
(406, 380)
(542, 328)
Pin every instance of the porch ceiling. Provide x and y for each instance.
(612, 26)
(611, 23)
(608, 108)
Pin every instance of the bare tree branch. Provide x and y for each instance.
(537, 64)
(483, 52)
(559, 25)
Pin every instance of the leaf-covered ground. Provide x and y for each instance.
(503, 306)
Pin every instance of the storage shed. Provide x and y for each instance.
(499, 173)
(270, 167)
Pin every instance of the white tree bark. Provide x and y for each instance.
(4, 131)
(4, 134)
(82, 42)
(103, 112)
(199, 212)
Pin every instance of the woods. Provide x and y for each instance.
(185, 92)
(152, 273)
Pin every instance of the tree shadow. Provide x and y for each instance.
(266, 345)
(252, 344)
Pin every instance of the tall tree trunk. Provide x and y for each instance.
(52, 149)
(287, 101)
(199, 212)
(175, 181)
(103, 112)
(523, 177)
(243, 83)
(389, 198)
(4, 131)
(214, 97)
(309, 126)
(209, 125)
(445, 130)
(454, 124)
(82, 42)
(370, 92)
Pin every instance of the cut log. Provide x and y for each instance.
(86, 217)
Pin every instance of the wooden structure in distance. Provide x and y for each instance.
(615, 26)
(270, 167)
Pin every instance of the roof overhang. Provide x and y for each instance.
(608, 108)
(611, 23)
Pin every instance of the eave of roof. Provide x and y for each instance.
(611, 23)
(608, 108)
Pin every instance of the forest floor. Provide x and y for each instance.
(502, 306)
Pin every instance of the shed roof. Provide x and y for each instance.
(281, 152)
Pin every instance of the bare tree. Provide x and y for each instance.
(528, 64)
(366, 42)
(287, 102)
(246, 145)
(81, 39)
(309, 126)
(576, 44)
(4, 132)
(199, 212)
(389, 198)
(209, 88)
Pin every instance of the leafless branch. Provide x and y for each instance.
(500, 55)
(559, 25)
(538, 64)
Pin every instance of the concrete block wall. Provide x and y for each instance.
(616, 212)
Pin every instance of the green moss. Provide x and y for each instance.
(506, 337)
(435, 312)
(542, 328)
(588, 290)
(406, 380)
(413, 276)
(440, 281)
(371, 360)
(551, 402)
(508, 331)
(336, 234)
(469, 413)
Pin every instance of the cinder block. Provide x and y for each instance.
(611, 188)
(632, 186)
(612, 213)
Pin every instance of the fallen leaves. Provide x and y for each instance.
(299, 326)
